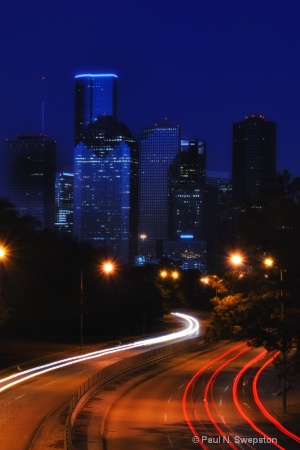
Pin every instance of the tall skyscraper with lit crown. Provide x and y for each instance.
(105, 169)
(95, 95)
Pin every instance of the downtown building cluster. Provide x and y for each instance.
(142, 199)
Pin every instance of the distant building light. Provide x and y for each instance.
(96, 75)
(186, 236)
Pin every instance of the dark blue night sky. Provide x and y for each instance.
(204, 64)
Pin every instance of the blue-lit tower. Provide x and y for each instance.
(159, 145)
(95, 95)
(105, 170)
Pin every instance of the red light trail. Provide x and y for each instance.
(263, 409)
(193, 420)
(189, 389)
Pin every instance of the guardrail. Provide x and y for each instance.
(94, 383)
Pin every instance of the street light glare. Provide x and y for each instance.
(2, 252)
(108, 267)
(236, 259)
(269, 262)
(175, 275)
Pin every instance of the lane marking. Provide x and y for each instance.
(51, 382)
(170, 442)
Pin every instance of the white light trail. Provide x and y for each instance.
(12, 380)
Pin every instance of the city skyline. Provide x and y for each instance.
(204, 65)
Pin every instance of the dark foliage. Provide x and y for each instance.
(41, 281)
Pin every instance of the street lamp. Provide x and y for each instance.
(107, 268)
(213, 281)
(175, 274)
(3, 254)
(236, 259)
(268, 262)
(163, 274)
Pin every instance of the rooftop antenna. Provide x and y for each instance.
(43, 106)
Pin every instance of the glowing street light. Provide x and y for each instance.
(268, 262)
(175, 274)
(3, 253)
(204, 280)
(236, 259)
(107, 268)
(163, 274)
(213, 281)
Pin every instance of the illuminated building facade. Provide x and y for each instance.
(30, 182)
(158, 145)
(187, 235)
(186, 184)
(253, 159)
(64, 190)
(95, 95)
(105, 177)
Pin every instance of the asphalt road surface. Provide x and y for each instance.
(196, 404)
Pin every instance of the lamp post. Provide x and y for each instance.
(212, 281)
(107, 268)
(3, 253)
(81, 308)
(269, 262)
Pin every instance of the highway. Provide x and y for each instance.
(206, 401)
(210, 397)
(29, 397)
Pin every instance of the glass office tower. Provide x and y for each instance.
(30, 177)
(253, 159)
(105, 170)
(159, 145)
(64, 189)
(95, 95)
(186, 183)
(187, 244)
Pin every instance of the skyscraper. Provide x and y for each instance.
(64, 189)
(30, 181)
(253, 159)
(105, 170)
(187, 239)
(95, 95)
(186, 182)
(159, 145)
